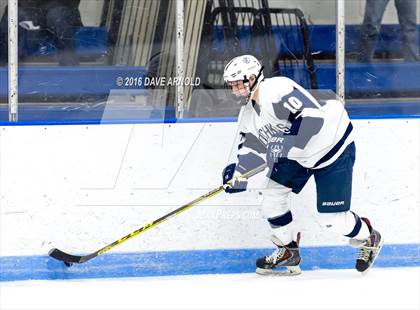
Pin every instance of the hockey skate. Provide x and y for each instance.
(286, 256)
(368, 249)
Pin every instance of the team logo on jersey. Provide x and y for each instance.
(277, 151)
(246, 60)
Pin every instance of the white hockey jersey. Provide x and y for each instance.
(322, 130)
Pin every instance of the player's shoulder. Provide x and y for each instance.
(278, 81)
(275, 88)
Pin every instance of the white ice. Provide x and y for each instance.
(381, 288)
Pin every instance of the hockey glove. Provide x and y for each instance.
(232, 181)
(278, 147)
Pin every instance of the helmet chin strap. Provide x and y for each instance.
(256, 83)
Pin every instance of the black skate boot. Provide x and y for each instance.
(368, 249)
(284, 256)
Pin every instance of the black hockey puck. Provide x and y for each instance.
(68, 264)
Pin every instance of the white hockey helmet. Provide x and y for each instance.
(241, 68)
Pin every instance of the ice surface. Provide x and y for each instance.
(381, 288)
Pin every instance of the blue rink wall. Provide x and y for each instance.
(81, 187)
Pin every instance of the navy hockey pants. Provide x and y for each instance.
(333, 183)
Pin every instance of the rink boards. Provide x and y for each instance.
(81, 187)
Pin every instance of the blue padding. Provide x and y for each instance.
(362, 79)
(288, 39)
(72, 81)
(88, 41)
(374, 79)
(193, 262)
(378, 110)
(322, 38)
(91, 41)
(37, 43)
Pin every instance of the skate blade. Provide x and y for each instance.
(289, 271)
(376, 256)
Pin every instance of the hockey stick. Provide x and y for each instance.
(69, 259)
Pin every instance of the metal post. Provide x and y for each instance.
(13, 60)
(340, 49)
(180, 57)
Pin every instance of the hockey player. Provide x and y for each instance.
(298, 137)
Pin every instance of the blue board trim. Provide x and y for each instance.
(171, 121)
(122, 121)
(14, 268)
(57, 115)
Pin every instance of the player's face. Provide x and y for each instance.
(238, 88)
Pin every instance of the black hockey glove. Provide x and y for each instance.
(232, 182)
(278, 147)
